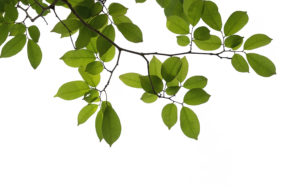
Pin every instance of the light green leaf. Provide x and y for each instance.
(177, 25)
(34, 53)
(169, 115)
(239, 63)
(213, 43)
(235, 22)
(86, 112)
(131, 80)
(202, 33)
(131, 32)
(211, 15)
(148, 85)
(173, 83)
(111, 125)
(196, 96)
(72, 90)
(189, 123)
(183, 40)
(72, 24)
(13, 46)
(92, 96)
(34, 33)
(193, 9)
(195, 82)
(94, 68)
(121, 19)
(77, 58)
(256, 41)
(184, 70)
(148, 97)
(155, 67)
(261, 65)
(170, 68)
(116, 9)
(234, 42)
(92, 80)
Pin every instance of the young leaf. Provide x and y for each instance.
(235, 22)
(234, 42)
(94, 68)
(183, 70)
(90, 79)
(170, 68)
(239, 63)
(202, 33)
(92, 96)
(13, 46)
(196, 96)
(86, 112)
(169, 115)
(261, 65)
(155, 67)
(77, 58)
(195, 82)
(177, 25)
(256, 41)
(183, 40)
(72, 90)
(148, 97)
(193, 10)
(34, 53)
(155, 84)
(116, 9)
(131, 80)
(131, 32)
(34, 33)
(211, 15)
(111, 125)
(213, 43)
(189, 123)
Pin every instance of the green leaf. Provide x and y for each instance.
(148, 97)
(109, 55)
(189, 123)
(172, 91)
(92, 80)
(34, 53)
(34, 33)
(239, 63)
(140, 1)
(83, 38)
(4, 28)
(155, 67)
(131, 32)
(111, 125)
(13, 46)
(156, 82)
(131, 80)
(256, 41)
(195, 82)
(184, 70)
(86, 112)
(196, 96)
(99, 21)
(163, 3)
(11, 13)
(177, 25)
(234, 42)
(116, 9)
(72, 90)
(202, 33)
(183, 40)
(211, 15)
(235, 22)
(99, 121)
(170, 68)
(261, 65)
(213, 43)
(72, 24)
(103, 45)
(17, 29)
(77, 58)
(121, 19)
(193, 10)
(173, 83)
(94, 68)
(92, 96)
(169, 115)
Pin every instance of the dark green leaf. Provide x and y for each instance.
(256, 41)
(239, 63)
(193, 9)
(155, 84)
(183, 40)
(11, 13)
(234, 42)
(196, 96)
(177, 25)
(211, 15)
(34, 53)
(189, 123)
(116, 9)
(235, 22)
(140, 1)
(13, 46)
(261, 65)
(195, 82)
(34, 33)
(131, 32)
(121, 19)
(99, 120)
(163, 3)
(83, 38)
(99, 21)
(72, 90)
(170, 68)
(17, 29)
(148, 97)
(86, 112)
(169, 115)
(103, 45)
(213, 43)
(4, 28)
(202, 33)
(131, 80)
(172, 91)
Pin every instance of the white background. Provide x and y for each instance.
(249, 129)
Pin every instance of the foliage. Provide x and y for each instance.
(194, 23)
